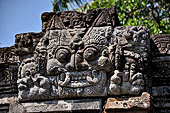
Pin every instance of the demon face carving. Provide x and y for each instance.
(85, 62)
(85, 55)
(80, 64)
(67, 63)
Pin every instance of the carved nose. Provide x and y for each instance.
(71, 66)
(76, 63)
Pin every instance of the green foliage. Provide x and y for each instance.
(154, 14)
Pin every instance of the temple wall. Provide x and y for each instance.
(86, 63)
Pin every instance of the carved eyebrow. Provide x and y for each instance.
(90, 46)
(61, 47)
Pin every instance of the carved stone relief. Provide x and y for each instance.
(8, 55)
(160, 44)
(71, 19)
(8, 78)
(31, 83)
(8, 72)
(131, 51)
(80, 64)
(69, 61)
(74, 59)
(73, 66)
(161, 72)
(25, 43)
(80, 60)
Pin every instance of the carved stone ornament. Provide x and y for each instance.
(86, 63)
(75, 58)
(131, 48)
(161, 44)
(161, 72)
(71, 59)
(67, 66)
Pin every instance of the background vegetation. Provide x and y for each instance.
(154, 14)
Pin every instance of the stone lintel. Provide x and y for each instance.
(57, 106)
(7, 100)
(129, 105)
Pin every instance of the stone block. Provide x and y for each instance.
(129, 105)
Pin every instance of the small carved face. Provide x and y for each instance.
(30, 83)
(79, 64)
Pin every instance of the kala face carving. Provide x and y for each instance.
(76, 61)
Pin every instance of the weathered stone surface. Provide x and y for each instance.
(25, 43)
(74, 67)
(8, 72)
(71, 59)
(5, 102)
(160, 45)
(8, 55)
(131, 57)
(161, 91)
(58, 106)
(161, 72)
(78, 57)
(131, 105)
(71, 63)
(71, 19)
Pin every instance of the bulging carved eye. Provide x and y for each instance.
(63, 55)
(90, 54)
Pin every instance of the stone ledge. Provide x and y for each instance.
(56, 106)
(7, 100)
